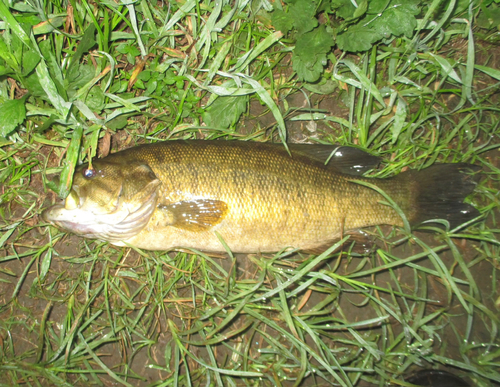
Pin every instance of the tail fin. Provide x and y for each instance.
(440, 191)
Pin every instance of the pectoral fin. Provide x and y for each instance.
(195, 215)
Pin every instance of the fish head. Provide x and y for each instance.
(109, 200)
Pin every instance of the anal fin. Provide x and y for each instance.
(359, 242)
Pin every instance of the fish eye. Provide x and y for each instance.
(88, 173)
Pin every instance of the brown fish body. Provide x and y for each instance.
(255, 196)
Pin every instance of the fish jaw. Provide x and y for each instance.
(79, 221)
(121, 224)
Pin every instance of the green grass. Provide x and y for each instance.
(74, 75)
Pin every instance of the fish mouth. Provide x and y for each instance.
(83, 230)
(124, 222)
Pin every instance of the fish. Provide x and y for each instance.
(255, 197)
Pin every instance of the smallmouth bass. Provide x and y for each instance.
(258, 198)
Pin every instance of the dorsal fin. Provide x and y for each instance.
(344, 159)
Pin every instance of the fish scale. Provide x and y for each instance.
(257, 196)
(292, 203)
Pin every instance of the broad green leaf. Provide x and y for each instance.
(377, 7)
(28, 19)
(91, 139)
(78, 77)
(282, 21)
(307, 68)
(303, 12)
(16, 46)
(49, 25)
(118, 122)
(148, 17)
(131, 51)
(23, 7)
(128, 103)
(12, 113)
(344, 8)
(95, 99)
(32, 83)
(397, 20)
(361, 10)
(204, 43)
(30, 61)
(225, 111)
(310, 53)
(358, 38)
(217, 62)
(86, 112)
(315, 42)
(228, 16)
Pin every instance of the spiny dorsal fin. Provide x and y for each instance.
(344, 159)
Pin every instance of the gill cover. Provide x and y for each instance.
(111, 201)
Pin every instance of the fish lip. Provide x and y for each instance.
(48, 216)
(46, 213)
(77, 221)
(116, 226)
(76, 228)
